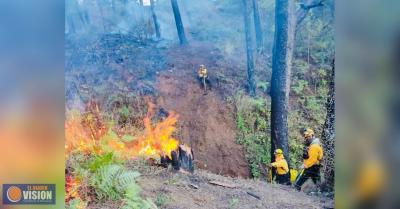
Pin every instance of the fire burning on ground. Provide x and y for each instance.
(155, 141)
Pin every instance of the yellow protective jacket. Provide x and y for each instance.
(202, 72)
(281, 165)
(315, 154)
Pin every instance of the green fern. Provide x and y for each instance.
(103, 181)
(115, 182)
(132, 199)
(99, 161)
(125, 179)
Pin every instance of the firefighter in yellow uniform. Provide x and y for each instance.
(282, 168)
(203, 77)
(202, 72)
(312, 157)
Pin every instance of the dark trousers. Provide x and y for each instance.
(206, 80)
(311, 172)
(282, 179)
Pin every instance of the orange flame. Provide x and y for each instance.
(155, 141)
(76, 136)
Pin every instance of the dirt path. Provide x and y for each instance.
(206, 121)
(178, 193)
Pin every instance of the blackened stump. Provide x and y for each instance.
(175, 160)
(181, 159)
(186, 158)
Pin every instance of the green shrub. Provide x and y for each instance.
(161, 200)
(299, 86)
(124, 113)
(115, 182)
(233, 202)
(252, 122)
(108, 177)
(99, 161)
(76, 204)
(262, 85)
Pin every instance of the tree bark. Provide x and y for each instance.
(251, 84)
(328, 135)
(178, 22)
(186, 158)
(257, 26)
(281, 70)
(155, 21)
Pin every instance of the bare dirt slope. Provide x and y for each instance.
(176, 192)
(206, 122)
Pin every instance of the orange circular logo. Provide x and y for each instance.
(14, 194)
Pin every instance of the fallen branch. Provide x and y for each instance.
(222, 184)
(194, 186)
(254, 195)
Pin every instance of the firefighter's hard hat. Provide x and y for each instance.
(308, 132)
(278, 151)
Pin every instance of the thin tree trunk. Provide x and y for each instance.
(178, 22)
(156, 25)
(249, 49)
(281, 70)
(328, 135)
(257, 26)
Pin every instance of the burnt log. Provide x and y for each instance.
(254, 195)
(166, 161)
(182, 159)
(218, 183)
(175, 160)
(186, 158)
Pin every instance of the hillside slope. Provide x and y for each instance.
(119, 65)
(176, 191)
(206, 122)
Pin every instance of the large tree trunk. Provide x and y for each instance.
(328, 135)
(155, 21)
(257, 26)
(178, 22)
(249, 49)
(281, 70)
